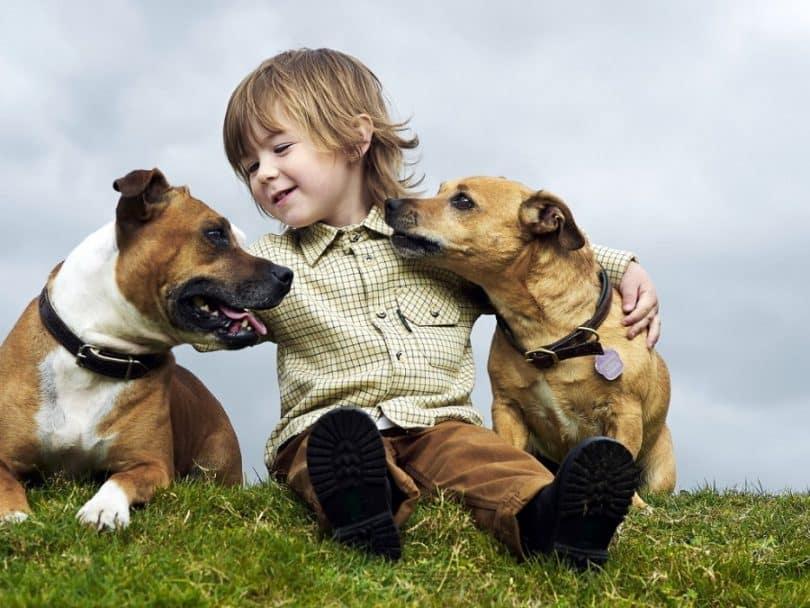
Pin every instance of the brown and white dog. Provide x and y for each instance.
(555, 364)
(87, 380)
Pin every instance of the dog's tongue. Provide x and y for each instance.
(238, 315)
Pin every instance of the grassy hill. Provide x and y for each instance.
(198, 545)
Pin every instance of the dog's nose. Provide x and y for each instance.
(392, 204)
(282, 274)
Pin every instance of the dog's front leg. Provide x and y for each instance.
(109, 508)
(627, 427)
(508, 422)
(13, 503)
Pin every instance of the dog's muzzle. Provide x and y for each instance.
(208, 305)
(402, 219)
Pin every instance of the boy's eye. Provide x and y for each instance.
(462, 201)
(252, 168)
(281, 148)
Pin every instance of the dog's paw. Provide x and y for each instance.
(107, 510)
(639, 504)
(13, 517)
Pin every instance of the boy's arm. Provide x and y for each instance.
(639, 298)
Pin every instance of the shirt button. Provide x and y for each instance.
(381, 314)
(399, 355)
(369, 256)
(434, 313)
(354, 238)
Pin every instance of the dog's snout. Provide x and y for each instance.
(397, 215)
(282, 274)
(393, 204)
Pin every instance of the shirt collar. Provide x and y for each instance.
(316, 238)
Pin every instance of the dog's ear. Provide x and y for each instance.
(544, 214)
(141, 199)
(145, 187)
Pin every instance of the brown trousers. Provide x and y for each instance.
(492, 478)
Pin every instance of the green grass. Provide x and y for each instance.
(198, 545)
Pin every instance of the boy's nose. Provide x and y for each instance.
(267, 171)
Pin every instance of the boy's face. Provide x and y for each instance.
(299, 184)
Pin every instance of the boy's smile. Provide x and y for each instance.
(300, 184)
(281, 197)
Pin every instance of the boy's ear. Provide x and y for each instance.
(365, 128)
(544, 213)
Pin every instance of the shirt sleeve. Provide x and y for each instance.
(614, 261)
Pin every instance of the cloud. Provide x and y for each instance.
(675, 131)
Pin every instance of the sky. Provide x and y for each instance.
(679, 131)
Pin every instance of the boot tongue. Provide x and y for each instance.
(238, 315)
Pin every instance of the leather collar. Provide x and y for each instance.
(107, 363)
(584, 340)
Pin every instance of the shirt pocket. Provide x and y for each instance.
(433, 316)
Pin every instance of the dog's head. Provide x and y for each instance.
(486, 218)
(182, 265)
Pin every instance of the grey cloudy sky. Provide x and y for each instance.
(677, 130)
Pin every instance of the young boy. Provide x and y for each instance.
(375, 365)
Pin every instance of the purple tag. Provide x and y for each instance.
(609, 365)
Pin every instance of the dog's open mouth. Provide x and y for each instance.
(409, 245)
(224, 312)
(210, 314)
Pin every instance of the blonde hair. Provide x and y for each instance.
(322, 91)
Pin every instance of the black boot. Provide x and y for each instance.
(346, 462)
(577, 514)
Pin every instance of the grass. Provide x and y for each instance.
(199, 545)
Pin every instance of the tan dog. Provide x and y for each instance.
(87, 380)
(525, 250)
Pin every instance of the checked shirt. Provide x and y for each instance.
(367, 328)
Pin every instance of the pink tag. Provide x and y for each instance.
(609, 365)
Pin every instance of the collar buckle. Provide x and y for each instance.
(532, 355)
(589, 330)
(88, 353)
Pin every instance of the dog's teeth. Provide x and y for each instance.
(215, 313)
(205, 307)
(245, 323)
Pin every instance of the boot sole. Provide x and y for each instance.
(597, 483)
(347, 468)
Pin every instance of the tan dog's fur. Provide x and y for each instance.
(525, 250)
(55, 415)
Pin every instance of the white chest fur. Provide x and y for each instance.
(543, 408)
(73, 404)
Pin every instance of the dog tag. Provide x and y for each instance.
(609, 365)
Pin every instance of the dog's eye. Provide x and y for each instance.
(462, 201)
(217, 236)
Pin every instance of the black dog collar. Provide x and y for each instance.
(578, 343)
(104, 362)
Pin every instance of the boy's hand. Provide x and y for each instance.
(640, 304)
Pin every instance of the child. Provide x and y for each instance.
(374, 359)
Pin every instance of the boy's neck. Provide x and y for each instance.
(348, 217)
(356, 203)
